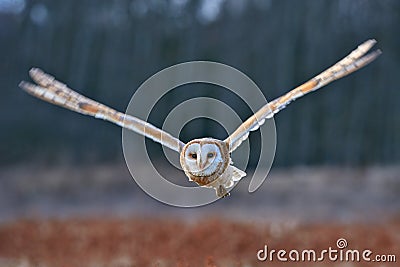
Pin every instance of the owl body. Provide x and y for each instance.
(207, 162)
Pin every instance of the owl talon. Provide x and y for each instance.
(226, 195)
(221, 192)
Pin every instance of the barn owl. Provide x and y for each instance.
(205, 161)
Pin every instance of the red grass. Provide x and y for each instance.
(156, 242)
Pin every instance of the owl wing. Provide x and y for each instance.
(354, 61)
(55, 92)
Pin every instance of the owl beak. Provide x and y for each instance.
(201, 164)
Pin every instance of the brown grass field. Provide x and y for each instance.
(156, 242)
(97, 216)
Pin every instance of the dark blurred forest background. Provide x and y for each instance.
(106, 48)
(66, 196)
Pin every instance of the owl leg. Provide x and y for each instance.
(221, 191)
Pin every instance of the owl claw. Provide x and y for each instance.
(221, 192)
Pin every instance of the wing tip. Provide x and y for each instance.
(368, 58)
(372, 41)
(376, 53)
(24, 85)
(367, 45)
(41, 77)
(37, 75)
(34, 69)
(35, 72)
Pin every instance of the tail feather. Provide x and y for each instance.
(237, 174)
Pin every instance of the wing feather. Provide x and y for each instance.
(55, 92)
(354, 61)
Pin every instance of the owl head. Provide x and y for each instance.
(203, 159)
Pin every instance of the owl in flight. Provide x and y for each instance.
(205, 161)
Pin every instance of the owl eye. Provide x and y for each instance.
(210, 155)
(193, 155)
